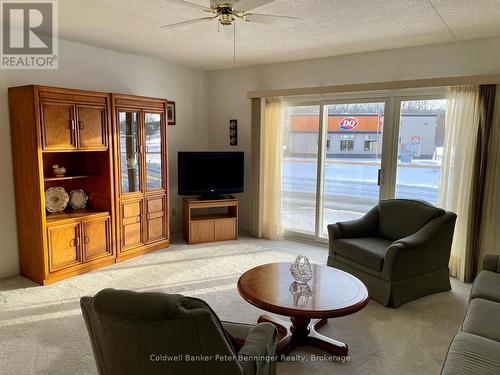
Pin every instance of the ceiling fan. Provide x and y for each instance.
(226, 12)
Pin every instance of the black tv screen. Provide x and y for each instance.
(210, 173)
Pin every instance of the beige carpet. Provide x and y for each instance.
(42, 330)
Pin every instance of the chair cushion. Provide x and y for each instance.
(399, 218)
(471, 355)
(368, 251)
(483, 319)
(486, 286)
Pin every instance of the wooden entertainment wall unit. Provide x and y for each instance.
(114, 148)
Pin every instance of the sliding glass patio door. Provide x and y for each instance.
(332, 159)
(351, 161)
(299, 174)
(420, 148)
(341, 157)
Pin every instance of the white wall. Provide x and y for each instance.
(228, 88)
(207, 101)
(90, 68)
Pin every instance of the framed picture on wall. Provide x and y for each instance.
(171, 113)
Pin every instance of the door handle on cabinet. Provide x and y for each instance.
(72, 124)
(80, 125)
(74, 242)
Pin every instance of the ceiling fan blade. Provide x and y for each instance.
(183, 23)
(269, 19)
(191, 5)
(246, 5)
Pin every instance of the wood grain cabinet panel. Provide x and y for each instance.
(92, 128)
(131, 209)
(141, 174)
(204, 221)
(202, 231)
(156, 228)
(131, 225)
(96, 238)
(64, 246)
(225, 230)
(58, 126)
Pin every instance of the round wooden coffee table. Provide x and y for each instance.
(330, 294)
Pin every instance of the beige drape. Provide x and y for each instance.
(272, 150)
(490, 230)
(487, 94)
(456, 188)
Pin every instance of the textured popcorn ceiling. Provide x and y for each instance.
(325, 28)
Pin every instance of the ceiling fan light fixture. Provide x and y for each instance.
(226, 19)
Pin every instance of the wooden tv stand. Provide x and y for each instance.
(210, 220)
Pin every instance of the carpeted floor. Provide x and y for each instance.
(42, 330)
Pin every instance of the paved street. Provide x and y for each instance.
(350, 189)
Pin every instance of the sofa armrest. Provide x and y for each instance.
(491, 262)
(367, 226)
(426, 250)
(256, 355)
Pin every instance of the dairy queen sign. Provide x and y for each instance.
(348, 123)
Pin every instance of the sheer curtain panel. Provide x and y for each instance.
(272, 151)
(456, 187)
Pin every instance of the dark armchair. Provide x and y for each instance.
(155, 333)
(400, 249)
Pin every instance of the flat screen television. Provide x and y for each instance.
(210, 174)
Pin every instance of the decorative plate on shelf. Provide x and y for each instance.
(78, 199)
(56, 199)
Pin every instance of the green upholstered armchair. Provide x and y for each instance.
(156, 333)
(400, 249)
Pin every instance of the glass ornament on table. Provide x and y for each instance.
(301, 270)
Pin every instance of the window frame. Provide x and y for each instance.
(390, 136)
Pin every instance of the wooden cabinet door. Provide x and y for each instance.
(225, 229)
(129, 158)
(96, 238)
(154, 152)
(156, 224)
(58, 126)
(202, 231)
(131, 224)
(92, 127)
(64, 246)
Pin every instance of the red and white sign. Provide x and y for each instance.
(348, 123)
